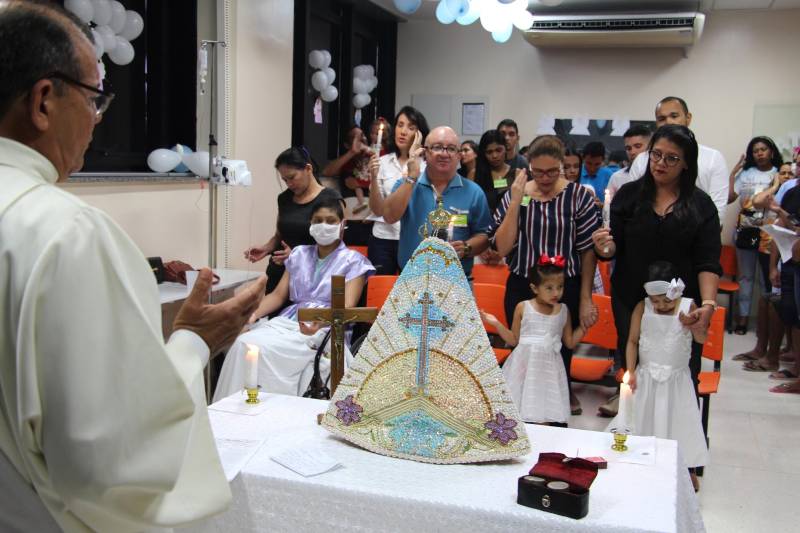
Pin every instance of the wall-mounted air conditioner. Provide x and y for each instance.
(616, 30)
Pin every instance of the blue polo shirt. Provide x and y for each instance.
(599, 182)
(461, 196)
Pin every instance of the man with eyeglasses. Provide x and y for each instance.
(712, 171)
(103, 426)
(416, 195)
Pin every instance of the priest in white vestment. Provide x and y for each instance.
(287, 347)
(103, 427)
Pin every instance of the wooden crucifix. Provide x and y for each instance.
(337, 316)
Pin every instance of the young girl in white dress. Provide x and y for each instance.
(665, 404)
(535, 370)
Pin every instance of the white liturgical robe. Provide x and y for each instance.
(106, 423)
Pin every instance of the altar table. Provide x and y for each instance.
(371, 492)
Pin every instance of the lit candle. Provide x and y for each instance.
(450, 228)
(607, 214)
(625, 399)
(380, 138)
(251, 367)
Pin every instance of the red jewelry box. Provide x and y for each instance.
(573, 501)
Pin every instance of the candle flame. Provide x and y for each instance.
(252, 351)
(625, 377)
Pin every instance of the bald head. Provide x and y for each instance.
(441, 154)
(441, 135)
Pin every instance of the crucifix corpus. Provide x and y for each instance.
(337, 316)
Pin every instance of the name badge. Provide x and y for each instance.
(526, 200)
(459, 221)
(501, 183)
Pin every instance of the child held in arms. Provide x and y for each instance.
(664, 399)
(535, 370)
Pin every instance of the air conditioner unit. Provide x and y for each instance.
(616, 30)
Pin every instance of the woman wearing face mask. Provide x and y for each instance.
(385, 171)
(296, 169)
(286, 358)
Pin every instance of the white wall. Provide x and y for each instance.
(743, 58)
(171, 220)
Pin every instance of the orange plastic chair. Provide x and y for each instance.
(360, 249)
(709, 381)
(501, 354)
(378, 289)
(496, 274)
(490, 298)
(727, 260)
(603, 334)
(605, 274)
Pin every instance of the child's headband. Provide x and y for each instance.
(672, 289)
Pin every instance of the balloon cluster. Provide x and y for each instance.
(364, 82)
(322, 79)
(114, 27)
(179, 159)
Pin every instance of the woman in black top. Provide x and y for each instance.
(492, 172)
(664, 216)
(296, 169)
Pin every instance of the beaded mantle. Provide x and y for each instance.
(425, 384)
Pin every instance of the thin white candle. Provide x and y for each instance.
(450, 228)
(251, 367)
(607, 214)
(625, 399)
(380, 138)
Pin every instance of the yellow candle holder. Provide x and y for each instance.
(252, 396)
(619, 442)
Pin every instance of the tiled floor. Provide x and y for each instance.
(753, 481)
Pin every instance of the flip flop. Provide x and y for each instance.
(784, 388)
(786, 357)
(744, 357)
(755, 366)
(783, 374)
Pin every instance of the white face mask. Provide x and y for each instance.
(325, 234)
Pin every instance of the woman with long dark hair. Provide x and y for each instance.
(297, 170)
(469, 157)
(754, 173)
(492, 173)
(384, 173)
(664, 216)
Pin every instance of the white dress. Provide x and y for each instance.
(665, 404)
(535, 370)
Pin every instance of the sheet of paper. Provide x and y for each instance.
(784, 240)
(237, 404)
(641, 451)
(234, 454)
(306, 462)
(473, 118)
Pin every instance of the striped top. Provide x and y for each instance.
(561, 226)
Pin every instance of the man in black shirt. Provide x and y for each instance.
(511, 133)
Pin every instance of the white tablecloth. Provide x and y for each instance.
(376, 493)
(173, 292)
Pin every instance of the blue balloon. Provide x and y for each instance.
(443, 14)
(470, 15)
(600, 124)
(186, 150)
(457, 7)
(407, 6)
(503, 35)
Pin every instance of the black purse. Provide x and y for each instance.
(748, 238)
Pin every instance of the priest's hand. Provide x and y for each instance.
(218, 324)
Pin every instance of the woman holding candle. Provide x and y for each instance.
(663, 216)
(379, 136)
(385, 171)
(553, 216)
(286, 360)
(658, 353)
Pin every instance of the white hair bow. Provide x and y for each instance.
(675, 289)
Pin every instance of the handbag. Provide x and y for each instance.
(748, 238)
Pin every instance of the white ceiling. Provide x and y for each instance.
(428, 8)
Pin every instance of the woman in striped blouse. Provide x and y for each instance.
(549, 215)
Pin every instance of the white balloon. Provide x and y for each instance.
(163, 160)
(102, 12)
(108, 37)
(359, 86)
(326, 59)
(133, 25)
(362, 72)
(319, 80)
(523, 20)
(117, 16)
(371, 84)
(197, 163)
(330, 74)
(82, 9)
(315, 58)
(99, 48)
(330, 93)
(370, 70)
(361, 100)
(123, 53)
(493, 19)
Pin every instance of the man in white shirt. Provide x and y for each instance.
(712, 171)
(103, 426)
(636, 140)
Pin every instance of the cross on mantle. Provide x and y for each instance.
(425, 321)
(337, 316)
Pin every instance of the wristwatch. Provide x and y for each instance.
(712, 303)
(467, 249)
